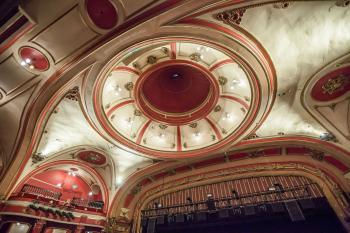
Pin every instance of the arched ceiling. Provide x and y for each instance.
(127, 86)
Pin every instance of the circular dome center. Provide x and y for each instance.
(176, 88)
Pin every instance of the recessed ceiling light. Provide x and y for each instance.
(119, 180)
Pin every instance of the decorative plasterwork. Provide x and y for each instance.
(233, 87)
(234, 17)
(103, 13)
(92, 157)
(342, 3)
(327, 97)
(325, 179)
(73, 94)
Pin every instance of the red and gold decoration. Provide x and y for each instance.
(151, 99)
(92, 157)
(332, 85)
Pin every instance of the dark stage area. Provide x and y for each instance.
(302, 216)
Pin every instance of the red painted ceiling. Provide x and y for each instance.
(318, 92)
(92, 157)
(50, 178)
(102, 13)
(176, 88)
(37, 59)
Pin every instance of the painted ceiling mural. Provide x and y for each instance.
(128, 88)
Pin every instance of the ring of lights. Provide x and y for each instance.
(124, 113)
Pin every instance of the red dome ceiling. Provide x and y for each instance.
(176, 88)
(176, 92)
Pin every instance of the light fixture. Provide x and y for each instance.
(23, 63)
(175, 76)
(328, 137)
(197, 134)
(90, 193)
(28, 61)
(129, 121)
(117, 89)
(227, 116)
(234, 83)
(119, 180)
(59, 185)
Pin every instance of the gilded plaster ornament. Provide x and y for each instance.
(129, 86)
(334, 85)
(151, 60)
(231, 17)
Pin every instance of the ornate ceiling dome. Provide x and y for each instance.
(184, 96)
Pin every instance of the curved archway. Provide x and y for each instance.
(63, 176)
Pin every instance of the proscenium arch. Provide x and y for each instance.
(248, 145)
(326, 180)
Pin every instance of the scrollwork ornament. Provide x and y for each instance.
(231, 17)
(281, 5)
(129, 86)
(195, 57)
(73, 94)
(334, 84)
(151, 60)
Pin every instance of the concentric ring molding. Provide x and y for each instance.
(254, 106)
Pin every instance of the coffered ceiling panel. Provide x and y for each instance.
(66, 35)
(12, 75)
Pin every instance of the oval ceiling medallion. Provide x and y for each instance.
(102, 13)
(92, 157)
(33, 59)
(177, 98)
(332, 85)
